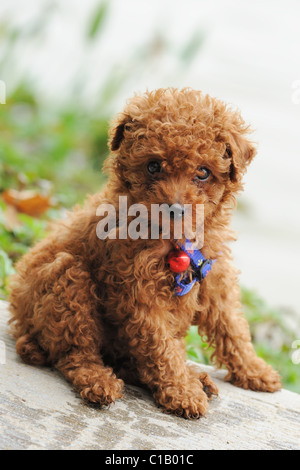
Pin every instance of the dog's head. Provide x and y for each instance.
(179, 147)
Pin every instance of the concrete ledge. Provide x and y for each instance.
(39, 410)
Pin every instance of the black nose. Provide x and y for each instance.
(176, 211)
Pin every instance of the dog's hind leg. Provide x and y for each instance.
(81, 336)
(30, 351)
(58, 322)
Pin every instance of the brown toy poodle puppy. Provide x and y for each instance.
(104, 311)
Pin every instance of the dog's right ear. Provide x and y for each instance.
(117, 137)
(116, 133)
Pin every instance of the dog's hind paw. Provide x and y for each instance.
(209, 387)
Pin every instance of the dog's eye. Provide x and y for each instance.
(203, 173)
(154, 167)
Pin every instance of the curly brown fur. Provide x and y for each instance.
(104, 311)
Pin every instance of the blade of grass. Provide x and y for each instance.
(97, 20)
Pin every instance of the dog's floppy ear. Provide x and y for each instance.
(116, 133)
(241, 152)
(117, 137)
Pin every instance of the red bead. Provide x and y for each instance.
(178, 260)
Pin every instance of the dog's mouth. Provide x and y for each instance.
(159, 221)
(177, 222)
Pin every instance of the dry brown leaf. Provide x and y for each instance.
(27, 202)
(11, 220)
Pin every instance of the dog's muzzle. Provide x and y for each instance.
(177, 211)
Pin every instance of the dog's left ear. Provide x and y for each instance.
(241, 152)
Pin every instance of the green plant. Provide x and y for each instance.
(272, 336)
(6, 269)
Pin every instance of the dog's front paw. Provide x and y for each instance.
(190, 402)
(103, 392)
(262, 379)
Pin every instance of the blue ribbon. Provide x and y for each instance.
(200, 265)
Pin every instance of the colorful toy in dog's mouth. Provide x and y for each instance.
(178, 260)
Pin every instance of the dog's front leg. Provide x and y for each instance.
(235, 350)
(160, 360)
(227, 329)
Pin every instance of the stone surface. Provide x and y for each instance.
(40, 410)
